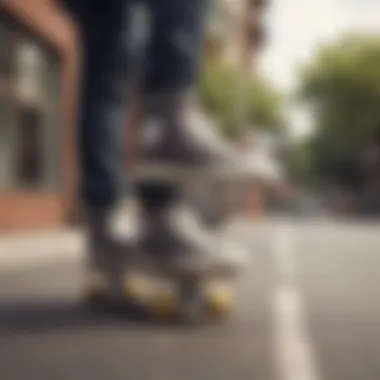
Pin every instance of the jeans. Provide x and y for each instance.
(171, 64)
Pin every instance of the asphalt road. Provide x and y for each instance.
(307, 308)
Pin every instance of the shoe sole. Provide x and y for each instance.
(193, 269)
(187, 173)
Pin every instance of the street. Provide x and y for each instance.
(307, 309)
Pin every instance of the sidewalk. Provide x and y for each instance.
(41, 247)
(21, 250)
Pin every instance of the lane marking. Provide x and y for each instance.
(284, 254)
(294, 356)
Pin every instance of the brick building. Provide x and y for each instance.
(37, 94)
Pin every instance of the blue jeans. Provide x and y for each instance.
(171, 64)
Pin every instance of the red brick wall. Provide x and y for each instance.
(30, 211)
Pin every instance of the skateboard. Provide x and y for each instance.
(190, 294)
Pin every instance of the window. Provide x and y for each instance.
(29, 117)
(29, 63)
(29, 163)
(5, 149)
(6, 39)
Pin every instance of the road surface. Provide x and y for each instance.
(307, 309)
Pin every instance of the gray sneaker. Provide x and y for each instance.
(174, 241)
(178, 141)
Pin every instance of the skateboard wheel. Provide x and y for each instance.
(164, 305)
(191, 302)
(219, 302)
(136, 288)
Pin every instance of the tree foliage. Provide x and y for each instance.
(341, 84)
(220, 97)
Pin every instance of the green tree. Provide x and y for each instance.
(341, 85)
(218, 92)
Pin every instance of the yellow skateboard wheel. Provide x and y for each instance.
(164, 305)
(136, 288)
(219, 301)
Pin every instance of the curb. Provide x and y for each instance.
(29, 249)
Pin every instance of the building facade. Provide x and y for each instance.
(37, 94)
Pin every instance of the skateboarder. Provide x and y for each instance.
(167, 90)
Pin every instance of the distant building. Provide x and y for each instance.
(224, 28)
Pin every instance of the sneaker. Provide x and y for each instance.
(174, 240)
(178, 140)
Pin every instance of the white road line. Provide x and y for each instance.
(284, 254)
(294, 354)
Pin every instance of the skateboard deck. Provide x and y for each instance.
(191, 293)
(161, 298)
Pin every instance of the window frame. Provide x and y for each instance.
(46, 105)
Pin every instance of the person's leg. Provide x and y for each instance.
(171, 232)
(171, 72)
(103, 32)
(176, 45)
(169, 89)
(103, 106)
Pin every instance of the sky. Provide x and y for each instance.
(297, 27)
